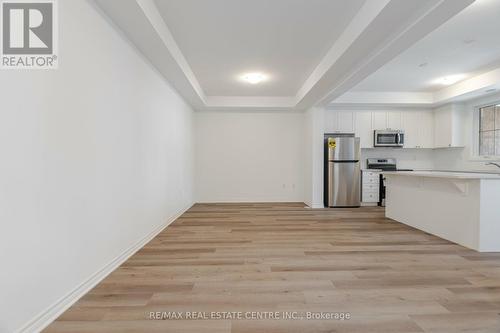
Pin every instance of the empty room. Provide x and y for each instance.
(237, 166)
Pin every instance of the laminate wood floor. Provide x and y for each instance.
(289, 260)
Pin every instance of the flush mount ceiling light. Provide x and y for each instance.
(254, 78)
(469, 41)
(448, 80)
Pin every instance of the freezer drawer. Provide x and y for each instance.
(344, 184)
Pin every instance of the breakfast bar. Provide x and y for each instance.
(462, 207)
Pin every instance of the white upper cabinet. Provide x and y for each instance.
(363, 128)
(394, 120)
(383, 120)
(427, 130)
(418, 125)
(448, 127)
(411, 124)
(346, 122)
(339, 121)
(331, 120)
(419, 129)
(379, 120)
(359, 123)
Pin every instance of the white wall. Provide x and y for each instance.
(243, 157)
(94, 156)
(308, 157)
(313, 158)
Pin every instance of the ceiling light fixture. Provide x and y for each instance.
(448, 80)
(469, 41)
(254, 78)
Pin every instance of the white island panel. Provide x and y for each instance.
(490, 216)
(464, 209)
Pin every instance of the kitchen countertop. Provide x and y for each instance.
(442, 174)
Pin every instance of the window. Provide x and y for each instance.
(489, 130)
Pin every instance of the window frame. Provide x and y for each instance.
(476, 134)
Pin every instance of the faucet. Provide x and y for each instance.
(495, 164)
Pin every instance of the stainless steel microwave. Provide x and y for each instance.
(389, 138)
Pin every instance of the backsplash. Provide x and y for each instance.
(407, 158)
(460, 160)
(449, 159)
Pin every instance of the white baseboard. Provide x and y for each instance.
(250, 200)
(47, 316)
(315, 205)
(369, 204)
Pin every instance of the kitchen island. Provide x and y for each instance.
(458, 206)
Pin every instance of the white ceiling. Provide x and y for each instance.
(285, 39)
(313, 50)
(468, 44)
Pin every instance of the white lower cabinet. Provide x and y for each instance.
(370, 197)
(370, 184)
(371, 187)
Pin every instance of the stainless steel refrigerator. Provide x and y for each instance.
(342, 170)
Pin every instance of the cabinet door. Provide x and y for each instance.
(426, 130)
(442, 128)
(457, 130)
(411, 123)
(379, 120)
(331, 121)
(346, 121)
(339, 121)
(394, 119)
(363, 128)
